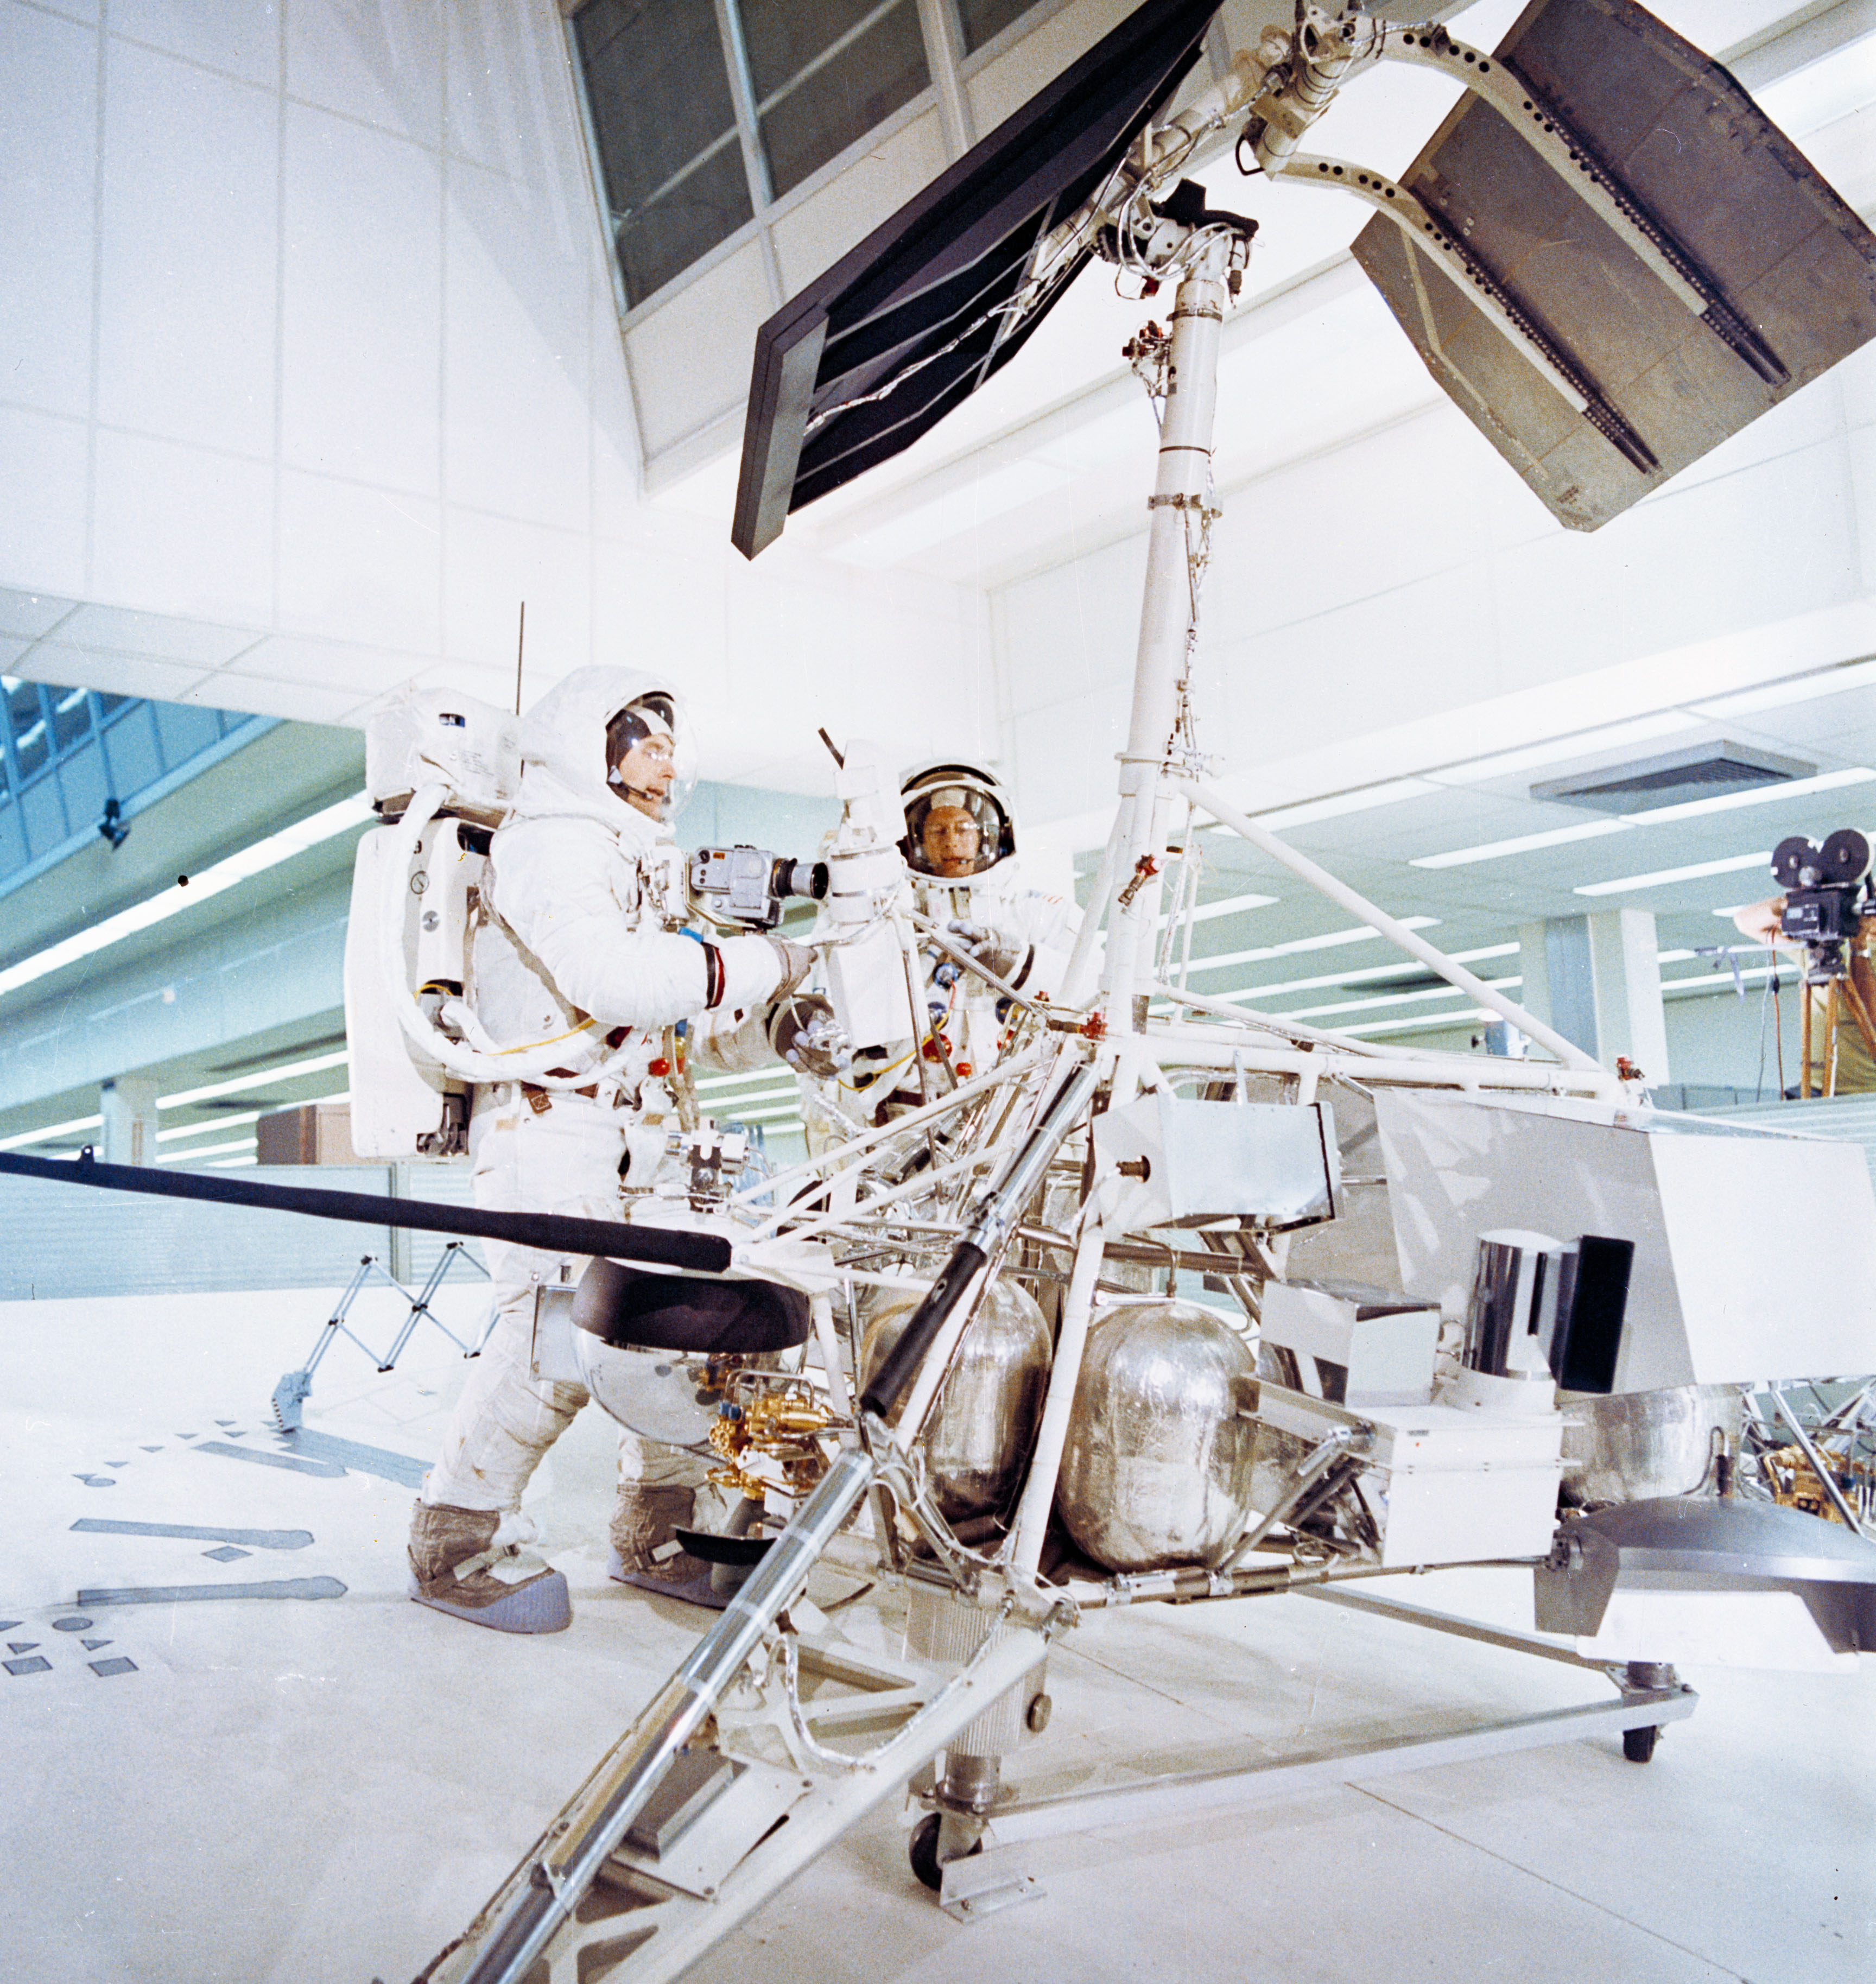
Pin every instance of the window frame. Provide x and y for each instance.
(950, 68)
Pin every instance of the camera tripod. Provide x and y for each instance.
(1840, 993)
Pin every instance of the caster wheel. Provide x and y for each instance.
(922, 1850)
(1638, 1745)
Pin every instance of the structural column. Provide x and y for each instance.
(127, 1105)
(1597, 980)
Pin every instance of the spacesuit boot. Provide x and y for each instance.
(470, 1564)
(644, 1533)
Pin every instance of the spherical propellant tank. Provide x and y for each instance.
(978, 1435)
(1157, 1470)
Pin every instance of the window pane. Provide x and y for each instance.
(71, 717)
(666, 235)
(82, 776)
(29, 723)
(826, 73)
(980, 19)
(666, 128)
(130, 747)
(184, 730)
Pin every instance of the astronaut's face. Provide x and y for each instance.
(950, 841)
(646, 775)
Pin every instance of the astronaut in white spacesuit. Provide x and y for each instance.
(960, 847)
(960, 851)
(572, 948)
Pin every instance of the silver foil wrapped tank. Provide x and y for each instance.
(1157, 1470)
(978, 1435)
(1634, 1446)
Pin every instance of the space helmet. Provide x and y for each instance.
(656, 714)
(946, 786)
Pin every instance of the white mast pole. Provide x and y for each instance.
(1182, 486)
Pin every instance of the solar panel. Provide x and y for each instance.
(939, 298)
(1727, 199)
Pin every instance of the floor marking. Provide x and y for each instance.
(182, 1594)
(92, 1646)
(273, 1540)
(72, 1625)
(152, 1449)
(116, 1664)
(227, 1554)
(96, 1480)
(38, 1664)
(6, 1625)
(21, 1646)
(401, 1468)
(327, 1470)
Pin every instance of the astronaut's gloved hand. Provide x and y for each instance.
(804, 1033)
(797, 961)
(991, 951)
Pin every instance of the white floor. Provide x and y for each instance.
(313, 1788)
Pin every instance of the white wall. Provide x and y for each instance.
(1384, 606)
(309, 374)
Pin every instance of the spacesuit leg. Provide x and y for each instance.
(468, 1532)
(565, 1160)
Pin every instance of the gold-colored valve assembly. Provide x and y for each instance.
(775, 1421)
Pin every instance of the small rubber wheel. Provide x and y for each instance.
(1638, 1745)
(922, 1850)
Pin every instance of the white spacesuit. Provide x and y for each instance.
(571, 948)
(960, 851)
(960, 847)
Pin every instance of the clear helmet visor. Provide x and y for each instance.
(954, 832)
(651, 757)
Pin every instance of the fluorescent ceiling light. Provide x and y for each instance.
(1693, 871)
(1358, 801)
(1585, 743)
(195, 1150)
(210, 1126)
(1800, 689)
(1523, 843)
(51, 1130)
(1715, 981)
(1421, 1026)
(1788, 789)
(1226, 905)
(1389, 999)
(1367, 973)
(265, 1079)
(254, 860)
(1329, 940)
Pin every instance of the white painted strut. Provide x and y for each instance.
(1184, 480)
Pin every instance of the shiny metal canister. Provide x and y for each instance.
(1634, 1445)
(1156, 1469)
(978, 1435)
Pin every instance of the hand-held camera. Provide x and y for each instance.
(1827, 896)
(749, 885)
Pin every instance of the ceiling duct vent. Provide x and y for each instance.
(1703, 772)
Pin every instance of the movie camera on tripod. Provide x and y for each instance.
(1828, 898)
